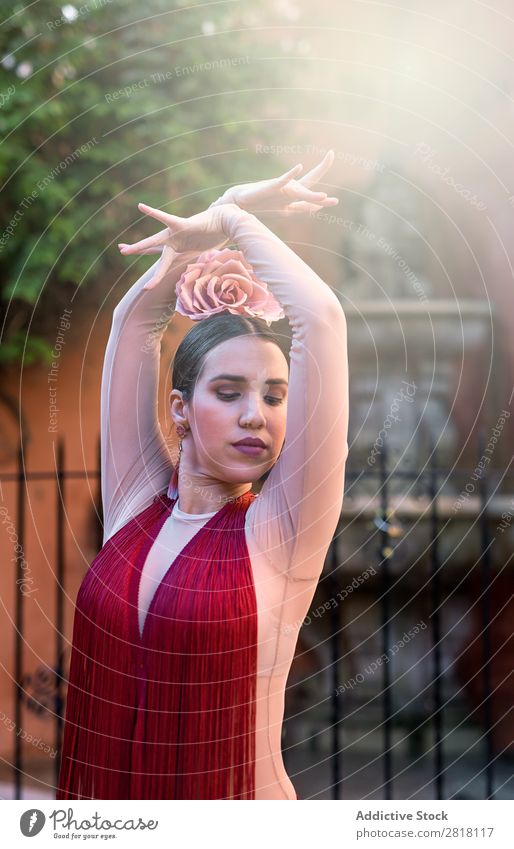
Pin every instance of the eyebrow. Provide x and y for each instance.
(237, 378)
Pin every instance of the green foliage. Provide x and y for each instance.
(103, 104)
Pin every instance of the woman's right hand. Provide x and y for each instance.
(182, 235)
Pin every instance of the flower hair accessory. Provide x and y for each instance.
(223, 281)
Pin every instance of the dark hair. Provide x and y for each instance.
(209, 332)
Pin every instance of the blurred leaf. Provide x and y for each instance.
(116, 100)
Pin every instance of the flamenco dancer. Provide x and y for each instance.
(187, 619)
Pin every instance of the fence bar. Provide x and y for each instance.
(336, 701)
(19, 620)
(485, 613)
(386, 616)
(59, 606)
(435, 602)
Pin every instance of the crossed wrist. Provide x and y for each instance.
(228, 196)
(229, 216)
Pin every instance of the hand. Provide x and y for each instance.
(283, 195)
(182, 235)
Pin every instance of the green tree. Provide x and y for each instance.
(104, 103)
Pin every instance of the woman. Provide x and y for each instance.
(187, 620)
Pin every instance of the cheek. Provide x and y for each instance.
(278, 424)
(211, 419)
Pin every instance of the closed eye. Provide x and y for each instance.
(271, 399)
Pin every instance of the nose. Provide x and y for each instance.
(253, 414)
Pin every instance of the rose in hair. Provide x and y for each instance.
(223, 281)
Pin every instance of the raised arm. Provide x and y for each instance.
(296, 513)
(135, 461)
(295, 516)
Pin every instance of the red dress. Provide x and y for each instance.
(170, 715)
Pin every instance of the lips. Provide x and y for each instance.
(252, 441)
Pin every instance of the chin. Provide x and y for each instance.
(246, 474)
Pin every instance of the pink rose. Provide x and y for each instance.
(222, 281)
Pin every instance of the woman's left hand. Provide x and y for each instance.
(283, 195)
(182, 237)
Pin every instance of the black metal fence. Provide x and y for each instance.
(489, 487)
(43, 691)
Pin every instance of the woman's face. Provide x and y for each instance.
(241, 393)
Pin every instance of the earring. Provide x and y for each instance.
(173, 487)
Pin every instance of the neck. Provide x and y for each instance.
(198, 494)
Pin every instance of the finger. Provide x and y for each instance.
(305, 206)
(156, 279)
(297, 191)
(302, 206)
(149, 251)
(129, 250)
(158, 239)
(289, 175)
(163, 217)
(315, 174)
(166, 262)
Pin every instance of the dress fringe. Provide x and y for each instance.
(171, 714)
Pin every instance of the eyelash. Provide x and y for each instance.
(231, 396)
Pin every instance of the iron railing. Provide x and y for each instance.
(49, 684)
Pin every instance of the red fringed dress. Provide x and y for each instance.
(171, 715)
(192, 706)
